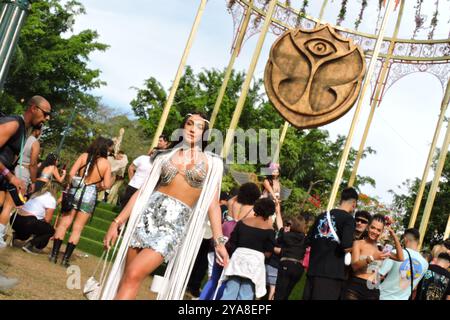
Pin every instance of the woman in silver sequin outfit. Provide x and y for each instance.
(84, 186)
(161, 226)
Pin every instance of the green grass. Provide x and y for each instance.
(91, 240)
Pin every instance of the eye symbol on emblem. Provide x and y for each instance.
(320, 48)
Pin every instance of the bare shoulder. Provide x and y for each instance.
(104, 163)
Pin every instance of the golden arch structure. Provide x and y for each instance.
(388, 59)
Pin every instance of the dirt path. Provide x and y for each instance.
(42, 280)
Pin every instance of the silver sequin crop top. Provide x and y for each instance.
(194, 177)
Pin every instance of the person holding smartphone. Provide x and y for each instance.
(367, 259)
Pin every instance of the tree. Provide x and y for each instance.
(307, 156)
(404, 203)
(52, 61)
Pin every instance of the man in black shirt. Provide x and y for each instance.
(13, 133)
(435, 284)
(326, 272)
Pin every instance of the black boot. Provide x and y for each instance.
(53, 257)
(69, 250)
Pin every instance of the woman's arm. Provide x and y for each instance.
(398, 255)
(49, 215)
(268, 187)
(118, 222)
(357, 264)
(215, 219)
(76, 166)
(131, 171)
(59, 178)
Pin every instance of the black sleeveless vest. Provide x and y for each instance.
(10, 151)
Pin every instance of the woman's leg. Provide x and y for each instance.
(64, 223)
(247, 290)
(282, 281)
(22, 227)
(81, 219)
(42, 231)
(8, 206)
(139, 267)
(296, 275)
(232, 288)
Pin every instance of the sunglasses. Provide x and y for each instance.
(362, 221)
(46, 113)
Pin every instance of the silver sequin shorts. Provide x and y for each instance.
(88, 195)
(162, 225)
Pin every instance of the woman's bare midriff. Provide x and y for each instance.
(181, 190)
(366, 250)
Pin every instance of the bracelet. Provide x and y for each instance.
(5, 172)
(221, 240)
(117, 221)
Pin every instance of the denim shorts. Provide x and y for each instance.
(271, 275)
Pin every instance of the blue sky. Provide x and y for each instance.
(147, 38)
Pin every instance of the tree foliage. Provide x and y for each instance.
(51, 60)
(307, 156)
(404, 203)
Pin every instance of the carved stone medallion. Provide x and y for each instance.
(313, 77)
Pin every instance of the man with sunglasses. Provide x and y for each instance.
(13, 134)
(362, 220)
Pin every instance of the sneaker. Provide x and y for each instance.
(29, 248)
(7, 283)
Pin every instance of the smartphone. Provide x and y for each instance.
(387, 248)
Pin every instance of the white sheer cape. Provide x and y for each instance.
(180, 267)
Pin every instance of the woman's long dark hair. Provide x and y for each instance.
(270, 178)
(98, 149)
(49, 161)
(205, 129)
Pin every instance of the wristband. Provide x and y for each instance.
(117, 221)
(5, 172)
(221, 240)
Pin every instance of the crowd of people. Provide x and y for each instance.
(173, 212)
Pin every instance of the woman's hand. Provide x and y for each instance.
(380, 255)
(390, 230)
(222, 255)
(111, 236)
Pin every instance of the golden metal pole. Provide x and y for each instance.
(280, 143)
(248, 78)
(322, 10)
(370, 72)
(444, 106)
(236, 50)
(447, 229)
(173, 90)
(376, 100)
(434, 185)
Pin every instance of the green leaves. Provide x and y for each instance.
(307, 156)
(51, 61)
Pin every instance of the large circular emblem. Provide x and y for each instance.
(313, 77)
